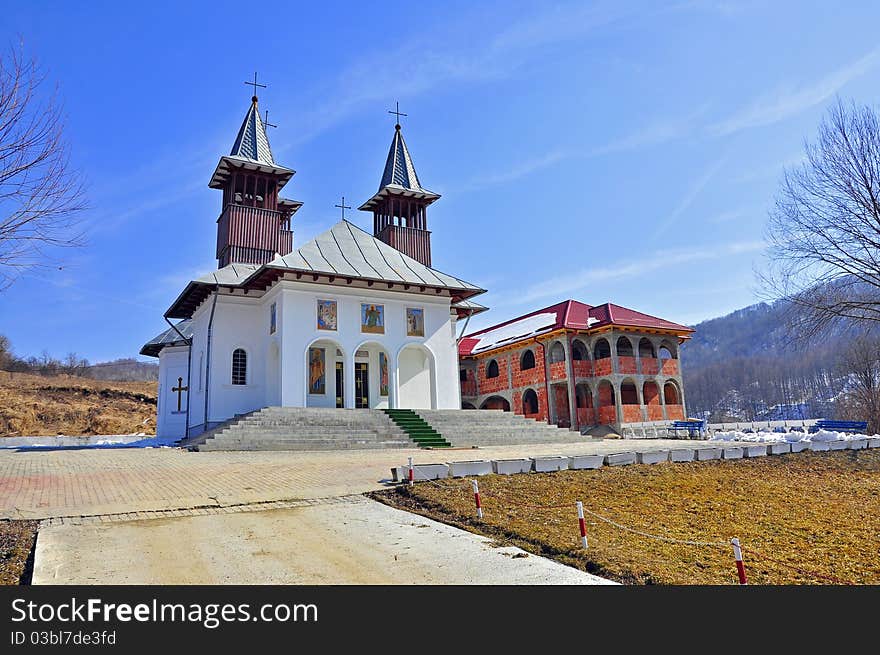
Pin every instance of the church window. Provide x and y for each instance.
(492, 369)
(273, 318)
(239, 366)
(528, 360)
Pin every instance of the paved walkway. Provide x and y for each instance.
(88, 482)
(351, 540)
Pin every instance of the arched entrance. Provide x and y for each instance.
(415, 375)
(496, 402)
(325, 374)
(372, 376)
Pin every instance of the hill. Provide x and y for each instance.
(37, 405)
(746, 366)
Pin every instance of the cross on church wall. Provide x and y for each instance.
(179, 390)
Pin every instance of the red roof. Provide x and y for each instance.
(575, 315)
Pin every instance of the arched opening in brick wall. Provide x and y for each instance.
(629, 400)
(584, 396)
(624, 347)
(651, 394)
(530, 402)
(492, 369)
(667, 351)
(527, 361)
(671, 395)
(602, 349)
(578, 351)
(467, 406)
(646, 349)
(606, 411)
(557, 353)
(626, 361)
(496, 402)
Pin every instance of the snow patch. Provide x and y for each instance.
(785, 437)
(521, 329)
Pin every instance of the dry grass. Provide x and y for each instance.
(818, 512)
(16, 543)
(33, 405)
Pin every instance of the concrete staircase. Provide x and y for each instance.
(299, 428)
(471, 427)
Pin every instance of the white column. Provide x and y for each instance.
(392, 381)
(348, 377)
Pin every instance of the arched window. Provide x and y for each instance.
(670, 394)
(239, 366)
(578, 351)
(624, 347)
(602, 349)
(527, 361)
(492, 370)
(667, 351)
(557, 353)
(646, 349)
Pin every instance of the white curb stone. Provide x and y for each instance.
(705, 454)
(873, 442)
(579, 462)
(799, 446)
(511, 466)
(819, 445)
(652, 457)
(473, 467)
(857, 444)
(755, 451)
(620, 459)
(778, 448)
(550, 463)
(840, 444)
(732, 452)
(428, 471)
(681, 455)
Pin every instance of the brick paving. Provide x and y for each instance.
(111, 483)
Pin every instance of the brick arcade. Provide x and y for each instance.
(577, 366)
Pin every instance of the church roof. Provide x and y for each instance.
(342, 253)
(568, 314)
(251, 151)
(169, 337)
(399, 176)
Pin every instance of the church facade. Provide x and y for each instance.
(348, 320)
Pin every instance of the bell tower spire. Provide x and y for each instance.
(400, 205)
(254, 223)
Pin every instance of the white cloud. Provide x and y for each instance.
(654, 133)
(790, 100)
(688, 199)
(564, 286)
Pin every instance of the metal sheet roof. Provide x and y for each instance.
(399, 176)
(343, 251)
(169, 337)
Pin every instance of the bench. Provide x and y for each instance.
(851, 427)
(692, 429)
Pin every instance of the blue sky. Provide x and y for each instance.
(623, 152)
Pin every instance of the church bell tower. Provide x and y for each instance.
(254, 223)
(400, 205)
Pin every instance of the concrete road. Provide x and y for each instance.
(352, 541)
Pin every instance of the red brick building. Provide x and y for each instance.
(577, 366)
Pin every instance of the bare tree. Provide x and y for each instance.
(860, 367)
(40, 195)
(824, 232)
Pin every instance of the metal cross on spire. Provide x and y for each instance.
(397, 113)
(255, 84)
(343, 207)
(266, 122)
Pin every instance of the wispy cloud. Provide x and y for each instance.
(690, 195)
(771, 170)
(790, 100)
(517, 171)
(570, 284)
(656, 132)
(416, 66)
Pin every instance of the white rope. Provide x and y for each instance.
(672, 540)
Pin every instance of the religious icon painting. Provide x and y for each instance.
(327, 315)
(383, 374)
(317, 372)
(415, 322)
(372, 318)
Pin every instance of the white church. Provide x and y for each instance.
(348, 320)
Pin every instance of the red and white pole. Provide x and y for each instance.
(477, 499)
(412, 476)
(738, 555)
(582, 524)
